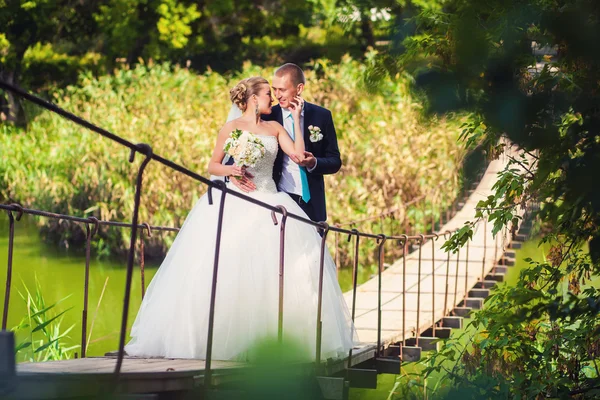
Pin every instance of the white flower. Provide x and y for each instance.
(244, 139)
(245, 148)
(316, 138)
(315, 133)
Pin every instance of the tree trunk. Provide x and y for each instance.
(10, 105)
(367, 32)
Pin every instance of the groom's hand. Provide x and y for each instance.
(244, 183)
(309, 160)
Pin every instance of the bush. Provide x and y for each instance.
(44, 66)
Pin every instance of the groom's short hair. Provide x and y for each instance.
(293, 71)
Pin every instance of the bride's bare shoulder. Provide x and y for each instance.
(229, 126)
(272, 123)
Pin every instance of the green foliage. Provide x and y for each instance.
(119, 19)
(43, 64)
(174, 22)
(43, 337)
(530, 338)
(217, 34)
(4, 48)
(539, 338)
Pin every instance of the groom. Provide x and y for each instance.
(304, 181)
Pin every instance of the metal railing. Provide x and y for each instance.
(147, 151)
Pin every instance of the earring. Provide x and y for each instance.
(256, 109)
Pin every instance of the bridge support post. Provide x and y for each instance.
(333, 388)
(7, 361)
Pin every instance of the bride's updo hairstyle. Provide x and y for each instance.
(245, 89)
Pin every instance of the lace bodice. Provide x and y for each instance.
(263, 171)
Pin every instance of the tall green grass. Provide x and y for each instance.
(41, 334)
(391, 153)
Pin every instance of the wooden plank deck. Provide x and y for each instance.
(483, 256)
(93, 375)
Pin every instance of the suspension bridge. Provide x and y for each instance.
(399, 313)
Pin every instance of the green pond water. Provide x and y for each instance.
(61, 272)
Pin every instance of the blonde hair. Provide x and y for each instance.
(245, 89)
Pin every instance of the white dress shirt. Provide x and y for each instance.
(290, 173)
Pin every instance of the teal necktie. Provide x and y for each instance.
(303, 177)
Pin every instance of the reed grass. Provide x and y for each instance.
(391, 152)
(42, 335)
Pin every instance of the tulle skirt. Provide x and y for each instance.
(173, 319)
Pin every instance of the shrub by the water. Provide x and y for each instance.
(391, 153)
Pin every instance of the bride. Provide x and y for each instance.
(173, 319)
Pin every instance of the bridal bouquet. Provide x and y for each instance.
(245, 148)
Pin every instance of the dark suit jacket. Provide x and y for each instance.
(326, 151)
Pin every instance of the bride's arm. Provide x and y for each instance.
(293, 148)
(214, 165)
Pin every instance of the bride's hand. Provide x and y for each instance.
(244, 183)
(236, 170)
(297, 158)
(296, 105)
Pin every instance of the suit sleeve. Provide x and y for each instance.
(331, 162)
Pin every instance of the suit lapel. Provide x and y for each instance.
(278, 114)
(308, 114)
(307, 122)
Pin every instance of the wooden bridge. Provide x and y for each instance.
(399, 313)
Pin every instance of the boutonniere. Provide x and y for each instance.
(315, 133)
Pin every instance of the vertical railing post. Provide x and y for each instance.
(11, 243)
(325, 228)
(381, 240)
(213, 290)
(147, 151)
(418, 330)
(466, 275)
(337, 253)
(485, 228)
(90, 233)
(143, 258)
(495, 253)
(447, 275)
(456, 277)
(406, 230)
(404, 247)
(281, 268)
(354, 284)
(504, 240)
(433, 282)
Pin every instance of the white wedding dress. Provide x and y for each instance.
(173, 319)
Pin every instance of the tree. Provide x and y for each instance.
(542, 337)
(26, 23)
